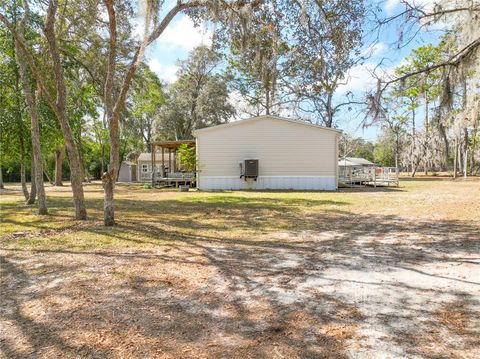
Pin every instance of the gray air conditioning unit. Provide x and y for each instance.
(251, 169)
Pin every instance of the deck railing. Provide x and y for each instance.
(172, 178)
(368, 176)
(145, 177)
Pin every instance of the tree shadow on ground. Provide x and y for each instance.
(242, 209)
(426, 179)
(311, 289)
(41, 338)
(371, 189)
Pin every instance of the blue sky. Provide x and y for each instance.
(182, 36)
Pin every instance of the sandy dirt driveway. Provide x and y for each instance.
(363, 286)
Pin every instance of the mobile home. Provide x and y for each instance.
(267, 152)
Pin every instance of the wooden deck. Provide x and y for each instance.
(175, 180)
(368, 176)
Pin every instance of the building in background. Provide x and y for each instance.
(267, 152)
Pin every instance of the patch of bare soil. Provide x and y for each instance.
(365, 292)
(152, 304)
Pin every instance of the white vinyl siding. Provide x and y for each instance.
(263, 182)
(290, 155)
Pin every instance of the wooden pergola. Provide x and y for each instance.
(171, 147)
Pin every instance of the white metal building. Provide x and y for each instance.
(286, 153)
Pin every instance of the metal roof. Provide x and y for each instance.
(354, 161)
(257, 118)
(173, 144)
(147, 156)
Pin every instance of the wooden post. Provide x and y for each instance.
(153, 165)
(163, 162)
(170, 160)
(175, 160)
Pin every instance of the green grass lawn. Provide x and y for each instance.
(146, 217)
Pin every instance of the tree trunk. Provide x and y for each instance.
(102, 163)
(61, 113)
(122, 158)
(59, 156)
(267, 102)
(465, 150)
(418, 160)
(108, 202)
(110, 177)
(33, 188)
(460, 159)
(58, 102)
(23, 180)
(76, 178)
(414, 143)
(455, 159)
(426, 135)
(473, 148)
(329, 110)
(21, 141)
(414, 164)
(45, 173)
(443, 133)
(113, 108)
(414, 170)
(37, 165)
(113, 118)
(1, 179)
(397, 150)
(18, 117)
(80, 154)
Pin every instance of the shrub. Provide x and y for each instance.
(188, 158)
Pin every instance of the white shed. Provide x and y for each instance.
(127, 173)
(289, 154)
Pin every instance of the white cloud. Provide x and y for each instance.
(167, 73)
(359, 78)
(155, 65)
(378, 48)
(179, 37)
(391, 5)
(364, 78)
(424, 4)
(375, 49)
(184, 35)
